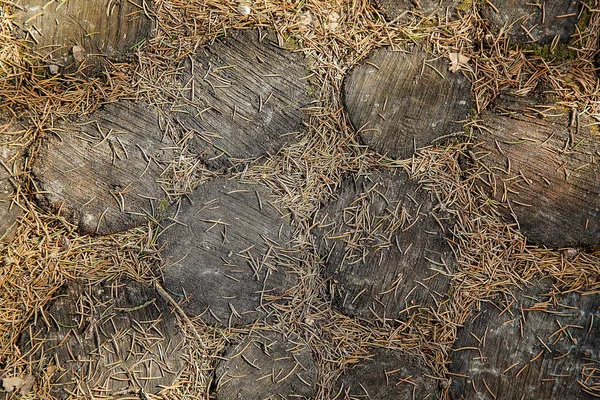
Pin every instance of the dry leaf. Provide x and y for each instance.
(12, 383)
(27, 384)
(458, 62)
(333, 21)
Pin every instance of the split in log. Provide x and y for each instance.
(396, 8)
(247, 95)
(268, 366)
(384, 247)
(389, 374)
(538, 22)
(65, 31)
(399, 102)
(12, 160)
(116, 339)
(545, 171)
(223, 252)
(102, 171)
(532, 347)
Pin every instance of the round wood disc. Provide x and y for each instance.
(266, 366)
(533, 347)
(545, 171)
(102, 171)
(531, 22)
(11, 155)
(399, 102)
(388, 374)
(248, 94)
(395, 8)
(383, 247)
(113, 339)
(223, 252)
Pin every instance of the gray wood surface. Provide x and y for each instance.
(266, 366)
(396, 8)
(387, 375)
(11, 165)
(223, 253)
(537, 22)
(398, 102)
(246, 95)
(101, 171)
(113, 339)
(383, 248)
(99, 27)
(529, 346)
(546, 171)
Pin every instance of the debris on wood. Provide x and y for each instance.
(394, 9)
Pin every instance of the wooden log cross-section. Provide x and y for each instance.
(544, 171)
(224, 252)
(266, 365)
(397, 8)
(11, 164)
(117, 340)
(246, 97)
(400, 102)
(384, 247)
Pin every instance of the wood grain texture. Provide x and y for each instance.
(12, 163)
(529, 22)
(397, 101)
(529, 347)
(266, 366)
(546, 172)
(105, 27)
(388, 374)
(102, 171)
(105, 341)
(224, 252)
(247, 95)
(383, 247)
(396, 8)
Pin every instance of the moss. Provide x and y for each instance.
(465, 5)
(586, 16)
(562, 52)
(162, 206)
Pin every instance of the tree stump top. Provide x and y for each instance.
(399, 102)
(546, 171)
(102, 171)
(11, 155)
(266, 366)
(246, 95)
(383, 247)
(113, 339)
(395, 8)
(223, 253)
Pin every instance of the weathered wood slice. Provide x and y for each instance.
(224, 252)
(546, 173)
(534, 347)
(100, 27)
(399, 101)
(395, 8)
(267, 366)
(535, 22)
(389, 374)
(102, 171)
(248, 96)
(383, 247)
(11, 155)
(113, 339)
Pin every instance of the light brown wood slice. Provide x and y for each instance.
(383, 247)
(12, 162)
(546, 171)
(112, 340)
(531, 22)
(67, 32)
(529, 346)
(248, 95)
(396, 8)
(223, 253)
(399, 102)
(388, 374)
(102, 170)
(267, 366)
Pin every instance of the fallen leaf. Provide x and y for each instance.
(12, 383)
(458, 61)
(27, 384)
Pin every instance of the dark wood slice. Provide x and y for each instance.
(530, 22)
(12, 160)
(224, 252)
(546, 173)
(96, 27)
(399, 101)
(388, 374)
(530, 347)
(113, 339)
(247, 95)
(383, 247)
(267, 366)
(102, 171)
(396, 8)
